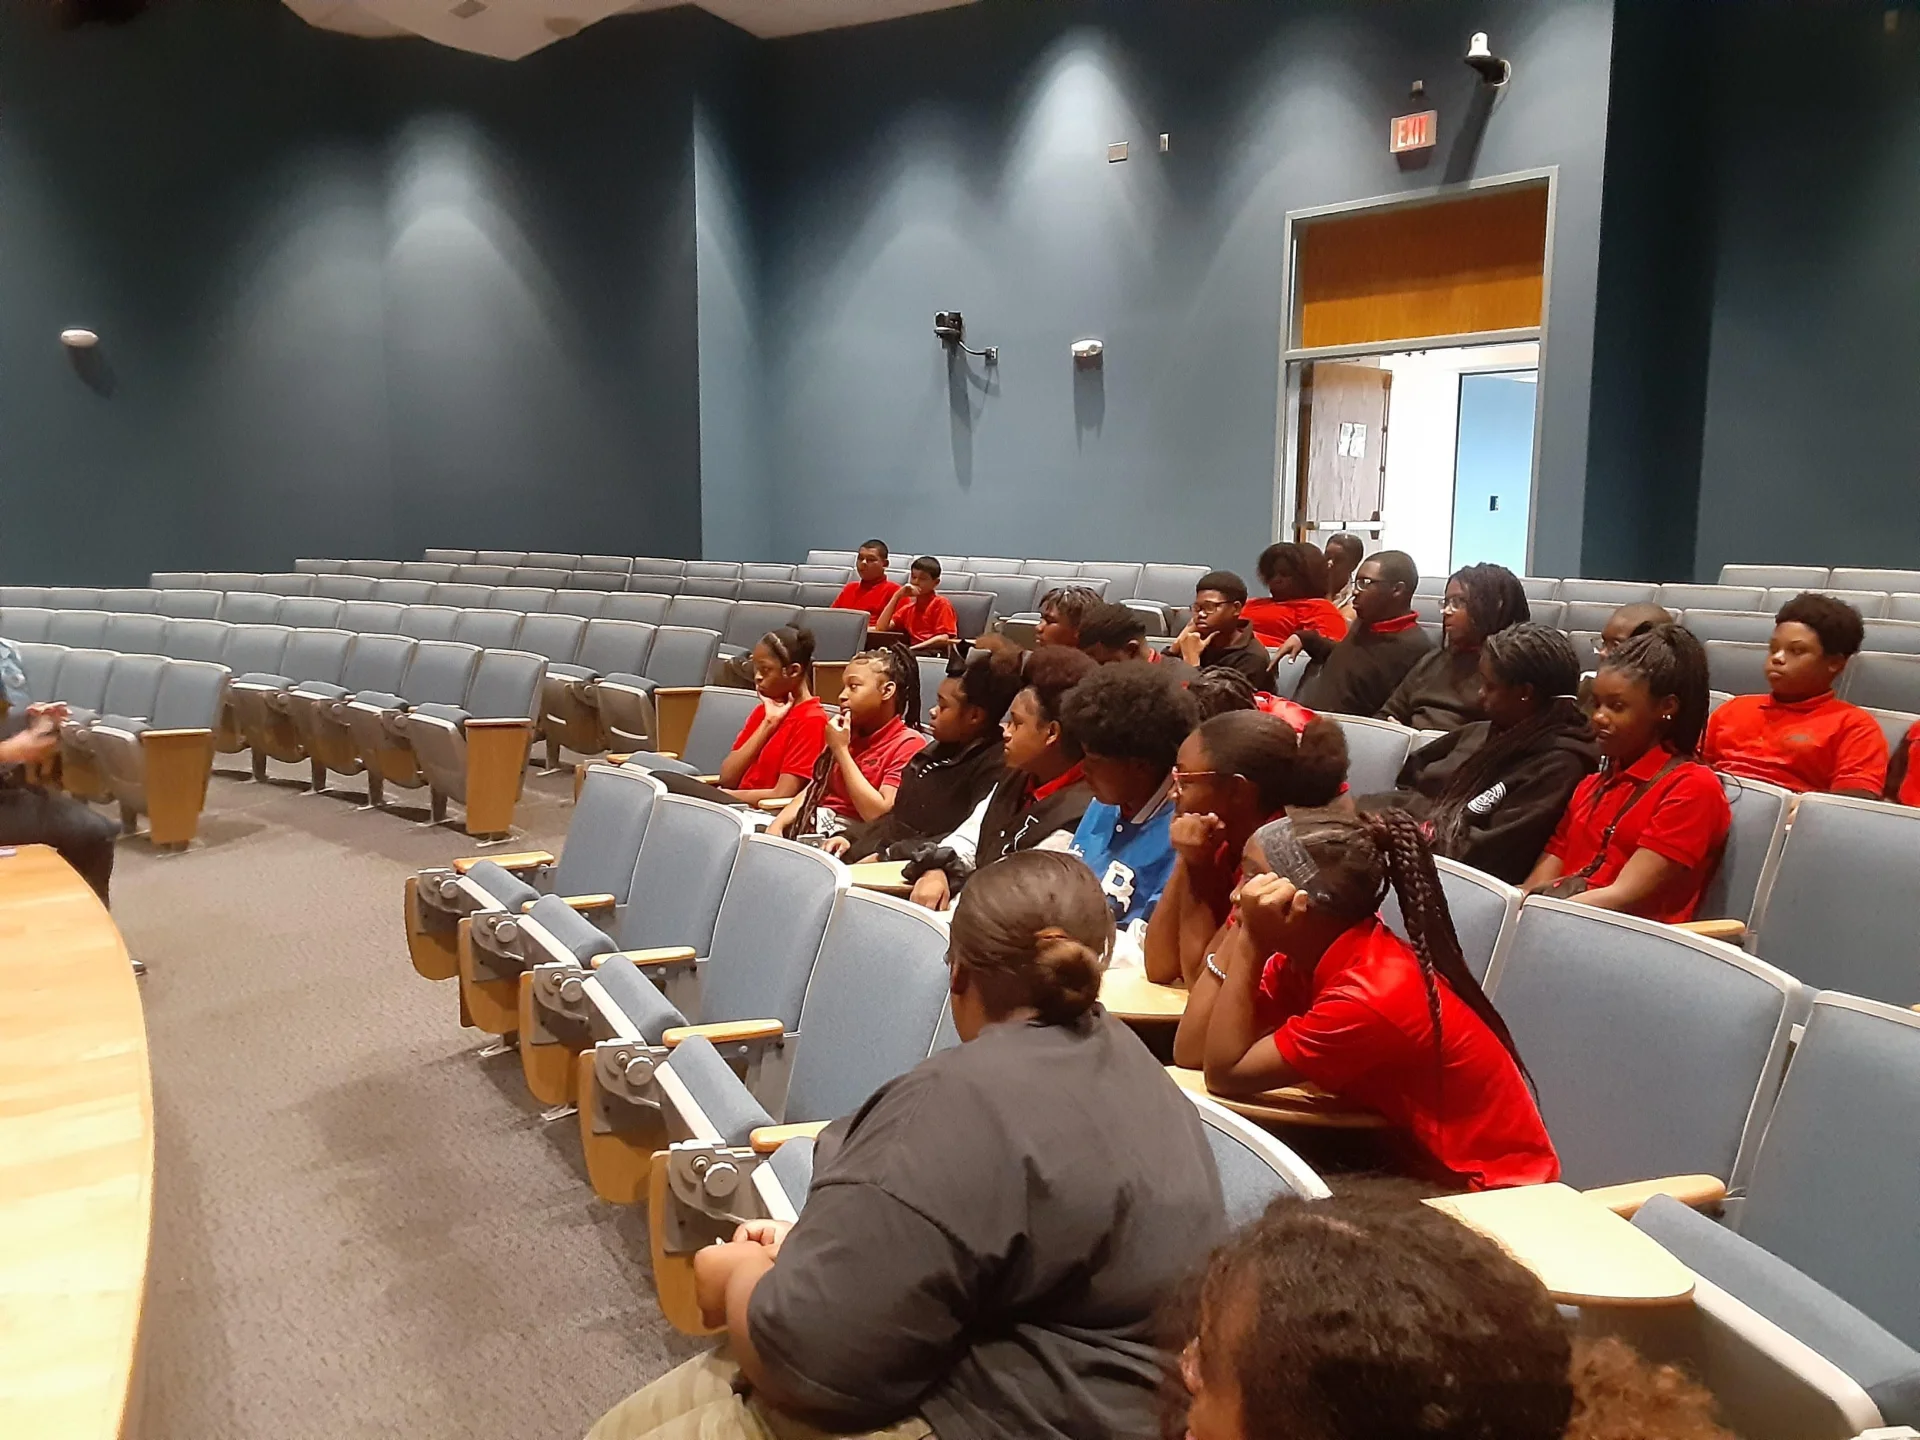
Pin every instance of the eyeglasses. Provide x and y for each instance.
(1451, 606)
(1187, 777)
(1367, 582)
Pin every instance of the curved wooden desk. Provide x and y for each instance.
(1129, 995)
(76, 1158)
(1583, 1253)
(1290, 1105)
(884, 876)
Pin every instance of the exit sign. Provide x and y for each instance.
(1414, 132)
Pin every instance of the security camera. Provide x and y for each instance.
(1490, 67)
(949, 326)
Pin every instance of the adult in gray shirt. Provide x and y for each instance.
(989, 1240)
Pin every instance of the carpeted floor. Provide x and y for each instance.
(360, 1228)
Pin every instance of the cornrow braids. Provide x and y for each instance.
(1495, 597)
(1669, 661)
(1523, 654)
(904, 671)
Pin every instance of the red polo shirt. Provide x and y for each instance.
(1818, 744)
(1685, 818)
(1363, 1030)
(1298, 716)
(873, 598)
(791, 749)
(1910, 782)
(1274, 621)
(880, 757)
(924, 619)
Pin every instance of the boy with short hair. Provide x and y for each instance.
(870, 590)
(1800, 735)
(1112, 634)
(919, 611)
(1216, 635)
(1356, 675)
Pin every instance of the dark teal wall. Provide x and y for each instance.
(355, 297)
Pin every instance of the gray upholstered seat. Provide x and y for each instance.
(1747, 627)
(286, 583)
(1012, 594)
(1654, 1051)
(749, 620)
(1893, 637)
(428, 622)
(82, 682)
(835, 575)
(1376, 749)
(72, 597)
(751, 571)
(25, 622)
(490, 629)
(654, 565)
(250, 607)
(584, 603)
(538, 577)
(375, 663)
(1844, 578)
(1768, 577)
(556, 637)
(708, 587)
(370, 617)
(438, 674)
(261, 707)
(42, 663)
(132, 683)
(1483, 910)
(159, 769)
(311, 612)
(122, 601)
(490, 576)
(344, 587)
(843, 558)
(1255, 1169)
(434, 572)
(449, 557)
(553, 559)
(717, 719)
(600, 581)
(1753, 845)
(1714, 597)
(642, 609)
(570, 703)
(525, 599)
(699, 612)
(195, 640)
(1609, 592)
(475, 754)
(461, 596)
(133, 634)
(374, 569)
(1738, 667)
(404, 591)
(188, 604)
(319, 567)
(1886, 682)
(1871, 604)
(1576, 614)
(607, 564)
(508, 558)
(159, 579)
(838, 635)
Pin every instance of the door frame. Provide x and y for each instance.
(1286, 478)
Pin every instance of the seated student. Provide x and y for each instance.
(991, 1240)
(1217, 690)
(953, 776)
(868, 747)
(1800, 734)
(1644, 834)
(1356, 675)
(871, 589)
(1491, 793)
(1370, 1314)
(1295, 575)
(1112, 634)
(31, 814)
(1037, 804)
(1903, 775)
(1442, 690)
(1217, 636)
(774, 755)
(1344, 554)
(918, 611)
(1233, 774)
(1128, 722)
(1310, 985)
(1061, 611)
(1622, 625)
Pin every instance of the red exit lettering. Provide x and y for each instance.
(1414, 132)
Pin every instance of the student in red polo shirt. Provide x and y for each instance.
(1903, 770)
(1644, 834)
(918, 611)
(868, 746)
(1800, 735)
(1295, 575)
(773, 757)
(1310, 985)
(871, 589)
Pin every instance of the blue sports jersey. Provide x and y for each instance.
(1131, 860)
(13, 677)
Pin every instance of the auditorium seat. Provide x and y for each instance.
(1903, 607)
(489, 575)
(158, 766)
(1738, 667)
(1122, 577)
(370, 617)
(696, 728)
(766, 572)
(643, 609)
(432, 572)
(1427, 607)
(159, 580)
(1872, 604)
(835, 575)
(125, 601)
(1483, 908)
(992, 565)
(844, 559)
(538, 577)
(1759, 828)
(376, 663)
(262, 706)
(133, 634)
(310, 612)
(319, 567)
(506, 559)
(606, 564)
(77, 629)
(1770, 577)
(195, 640)
(680, 658)
(1536, 587)
(374, 569)
(341, 587)
(699, 612)
(1376, 749)
(709, 587)
(1894, 724)
(1610, 592)
(1750, 627)
(771, 592)
(429, 622)
(653, 565)
(133, 681)
(584, 603)
(1550, 612)
(250, 607)
(1255, 1169)
(552, 560)
(1713, 597)
(450, 557)
(490, 629)
(816, 595)
(751, 619)
(711, 569)
(1886, 682)
(287, 584)
(1575, 614)
(475, 754)
(598, 581)
(249, 650)
(570, 703)
(1893, 637)
(439, 672)
(647, 583)
(839, 635)
(404, 592)
(188, 604)
(20, 623)
(525, 599)
(1013, 594)
(461, 596)
(1170, 586)
(1050, 568)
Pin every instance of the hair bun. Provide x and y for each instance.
(1069, 974)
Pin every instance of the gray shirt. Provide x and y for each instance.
(989, 1239)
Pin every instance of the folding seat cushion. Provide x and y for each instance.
(699, 612)
(432, 571)
(188, 604)
(448, 557)
(1872, 604)
(250, 607)
(428, 622)
(310, 612)
(570, 698)
(508, 558)
(376, 663)
(606, 564)
(261, 705)
(477, 754)
(249, 650)
(522, 598)
(1770, 577)
(159, 768)
(538, 577)
(461, 596)
(491, 576)
(128, 602)
(287, 584)
(403, 591)
(370, 617)
(489, 629)
(20, 623)
(552, 559)
(654, 565)
(344, 587)
(645, 609)
(679, 659)
(1885, 682)
(438, 674)
(133, 634)
(132, 683)
(78, 629)
(601, 581)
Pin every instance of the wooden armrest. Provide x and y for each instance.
(163, 737)
(1716, 929)
(591, 902)
(661, 955)
(708, 779)
(519, 860)
(768, 1138)
(665, 754)
(726, 1032)
(1694, 1190)
(613, 759)
(774, 807)
(508, 723)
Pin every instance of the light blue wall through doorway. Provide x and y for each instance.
(1493, 469)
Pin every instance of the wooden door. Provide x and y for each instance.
(1343, 450)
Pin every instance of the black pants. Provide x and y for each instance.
(84, 837)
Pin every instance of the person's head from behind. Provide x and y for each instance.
(1061, 611)
(1628, 621)
(783, 663)
(1112, 633)
(1367, 1316)
(1480, 600)
(1217, 598)
(974, 696)
(1344, 553)
(1652, 690)
(1813, 638)
(1293, 570)
(879, 685)
(871, 561)
(1244, 767)
(1129, 722)
(1523, 670)
(1036, 742)
(1031, 937)
(924, 575)
(1219, 690)
(1383, 586)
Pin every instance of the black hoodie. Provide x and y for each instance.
(1510, 821)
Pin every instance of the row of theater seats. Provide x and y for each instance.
(708, 996)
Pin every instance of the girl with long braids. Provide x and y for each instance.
(1310, 985)
(868, 746)
(1490, 793)
(1644, 834)
(1442, 690)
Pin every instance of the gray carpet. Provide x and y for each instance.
(360, 1229)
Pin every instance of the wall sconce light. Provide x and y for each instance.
(77, 339)
(1087, 353)
(1491, 68)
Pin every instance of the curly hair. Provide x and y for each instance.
(1292, 566)
(1129, 712)
(1669, 661)
(1619, 1396)
(989, 679)
(1837, 623)
(1069, 602)
(1495, 597)
(1220, 690)
(1372, 1314)
(1224, 583)
(1111, 625)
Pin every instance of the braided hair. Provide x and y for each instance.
(1523, 654)
(1220, 690)
(1495, 597)
(1669, 661)
(900, 667)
